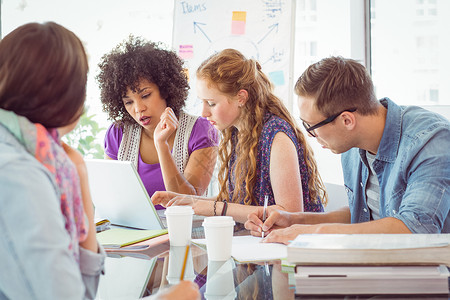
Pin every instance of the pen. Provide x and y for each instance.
(184, 263)
(266, 198)
(266, 267)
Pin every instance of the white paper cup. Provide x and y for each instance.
(176, 260)
(219, 235)
(220, 283)
(179, 224)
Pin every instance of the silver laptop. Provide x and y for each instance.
(119, 195)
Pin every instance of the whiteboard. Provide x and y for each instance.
(260, 29)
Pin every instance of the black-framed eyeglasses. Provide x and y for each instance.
(310, 129)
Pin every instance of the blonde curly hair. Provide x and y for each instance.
(229, 71)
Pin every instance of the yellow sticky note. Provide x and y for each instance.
(239, 16)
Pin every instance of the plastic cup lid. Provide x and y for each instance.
(179, 210)
(218, 221)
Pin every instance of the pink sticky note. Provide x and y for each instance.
(186, 51)
(238, 27)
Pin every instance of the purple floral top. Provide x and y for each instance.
(272, 125)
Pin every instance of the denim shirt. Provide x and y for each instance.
(413, 168)
(35, 262)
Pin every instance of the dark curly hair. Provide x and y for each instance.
(133, 60)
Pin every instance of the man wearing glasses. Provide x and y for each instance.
(396, 160)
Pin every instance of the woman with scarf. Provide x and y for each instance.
(48, 247)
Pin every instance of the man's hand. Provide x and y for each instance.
(286, 235)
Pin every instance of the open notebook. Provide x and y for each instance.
(119, 195)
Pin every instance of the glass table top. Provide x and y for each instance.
(137, 274)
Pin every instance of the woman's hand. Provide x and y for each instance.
(184, 290)
(167, 125)
(275, 219)
(166, 199)
(182, 200)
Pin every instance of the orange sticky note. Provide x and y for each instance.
(239, 16)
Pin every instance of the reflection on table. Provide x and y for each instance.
(133, 275)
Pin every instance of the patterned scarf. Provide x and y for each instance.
(45, 146)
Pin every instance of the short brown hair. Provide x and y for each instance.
(338, 83)
(43, 74)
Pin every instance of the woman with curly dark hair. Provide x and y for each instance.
(143, 90)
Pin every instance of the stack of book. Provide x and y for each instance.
(361, 264)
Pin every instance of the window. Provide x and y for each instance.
(324, 28)
(307, 11)
(100, 24)
(426, 8)
(410, 45)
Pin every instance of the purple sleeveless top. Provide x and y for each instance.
(272, 125)
(203, 135)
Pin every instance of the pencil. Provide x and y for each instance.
(184, 263)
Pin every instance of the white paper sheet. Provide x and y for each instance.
(249, 248)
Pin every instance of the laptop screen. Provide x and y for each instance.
(119, 195)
